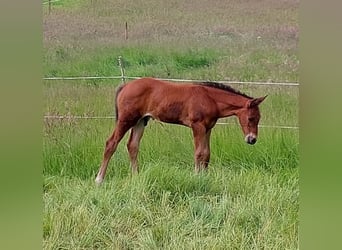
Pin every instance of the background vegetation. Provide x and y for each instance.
(249, 197)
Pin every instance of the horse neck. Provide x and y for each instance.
(229, 103)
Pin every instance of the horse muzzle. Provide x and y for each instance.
(250, 139)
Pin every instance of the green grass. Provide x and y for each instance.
(138, 61)
(63, 4)
(249, 197)
(247, 200)
(167, 207)
(187, 63)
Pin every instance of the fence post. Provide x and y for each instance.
(126, 30)
(49, 7)
(121, 64)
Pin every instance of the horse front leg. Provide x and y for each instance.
(202, 147)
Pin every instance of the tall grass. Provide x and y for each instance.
(249, 197)
(247, 200)
(168, 208)
(201, 63)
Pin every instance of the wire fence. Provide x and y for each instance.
(50, 1)
(77, 117)
(123, 78)
(169, 79)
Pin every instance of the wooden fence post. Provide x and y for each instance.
(121, 64)
(126, 30)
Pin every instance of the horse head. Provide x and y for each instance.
(249, 117)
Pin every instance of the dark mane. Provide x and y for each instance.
(223, 87)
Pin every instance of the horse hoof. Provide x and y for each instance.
(98, 181)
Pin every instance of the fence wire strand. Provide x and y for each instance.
(76, 117)
(169, 79)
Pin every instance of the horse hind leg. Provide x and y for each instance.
(134, 141)
(111, 145)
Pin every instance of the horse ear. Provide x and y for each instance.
(256, 101)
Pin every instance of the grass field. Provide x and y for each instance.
(249, 197)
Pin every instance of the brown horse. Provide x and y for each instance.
(197, 106)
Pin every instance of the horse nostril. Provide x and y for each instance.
(251, 140)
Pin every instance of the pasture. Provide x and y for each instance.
(249, 197)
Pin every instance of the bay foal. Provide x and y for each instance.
(196, 105)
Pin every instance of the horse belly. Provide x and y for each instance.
(171, 113)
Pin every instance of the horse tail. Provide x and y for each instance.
(118, 90)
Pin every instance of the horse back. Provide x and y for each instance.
(164, 101)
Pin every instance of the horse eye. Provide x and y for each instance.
(251, 119)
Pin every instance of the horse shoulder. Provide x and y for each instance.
(202, 106)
